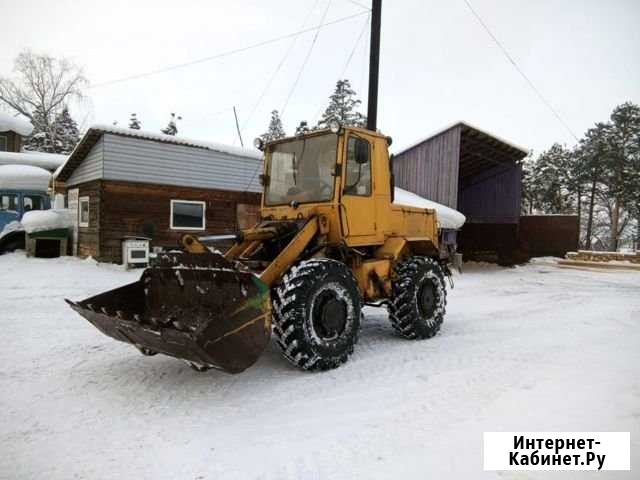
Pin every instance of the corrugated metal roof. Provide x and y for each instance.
(95, 132)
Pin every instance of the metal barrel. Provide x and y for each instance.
(197, 307)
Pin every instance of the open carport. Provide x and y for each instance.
(479, 174)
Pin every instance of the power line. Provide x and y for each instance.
(296, 82)
(316, 116)
(355, 45)
(227, 53)
(306, 59)
(360, 5)
(513, 62)
(277, 70)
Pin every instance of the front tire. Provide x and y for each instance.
(417, 308)
(316, 314)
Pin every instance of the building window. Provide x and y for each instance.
(4, 143)
(83, 211)
(187, 215)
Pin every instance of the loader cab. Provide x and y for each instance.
(343, 173)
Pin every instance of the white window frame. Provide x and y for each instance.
(204, 214)
(82, 200)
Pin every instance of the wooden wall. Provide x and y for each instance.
(492, 196)
(89, 237)
(141, 209)
(14, 141)
(430, 169)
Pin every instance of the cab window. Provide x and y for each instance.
(8, 202)
(358, 175)
(32, 202)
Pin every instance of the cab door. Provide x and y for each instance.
(358, 209)
(9, 208)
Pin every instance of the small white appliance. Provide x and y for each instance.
(135, 251)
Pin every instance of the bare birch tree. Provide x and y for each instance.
(40, 89)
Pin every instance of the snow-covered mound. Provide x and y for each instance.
(41, 220)
(447, 217)
(48, 161)
(10, 227)
(18, 124)
(24, 177)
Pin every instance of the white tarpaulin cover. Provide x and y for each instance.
(447, 217)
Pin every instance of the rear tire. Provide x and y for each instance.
(419, 300)
(316, 314)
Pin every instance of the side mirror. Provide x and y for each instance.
(362, 152)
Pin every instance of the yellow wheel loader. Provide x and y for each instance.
(329, 240)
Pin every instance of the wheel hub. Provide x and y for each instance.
(427, 299)
(329, 316)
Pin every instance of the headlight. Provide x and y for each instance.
(334, 126)
(258, 143)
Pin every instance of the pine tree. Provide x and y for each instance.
(529, 188)
(593, 151)
(172, 127)
(623, 143)
(551, 180)
(40, 139)
(342, 107)
(134, 123)
(67, 134)
(275, 130)
(302, 128)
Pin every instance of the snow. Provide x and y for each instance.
(41, 220)
(218, 147)
(533, 348)
(10, 227)
(19, 124)
(48, 161)
(24, 177)
(447, 217)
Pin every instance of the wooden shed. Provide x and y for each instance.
(13, 129)
(126, 182)
(475, 172)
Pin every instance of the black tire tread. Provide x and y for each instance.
(289, 303)
(403, 312)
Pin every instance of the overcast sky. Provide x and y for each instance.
(438, 65)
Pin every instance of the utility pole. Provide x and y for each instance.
(374, 65)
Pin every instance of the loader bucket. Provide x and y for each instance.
(197, 307)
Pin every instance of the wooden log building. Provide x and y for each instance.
(127, 183)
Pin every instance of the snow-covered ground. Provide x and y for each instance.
(534, 348)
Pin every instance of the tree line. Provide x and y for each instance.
(598, 179)
(342, 107)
